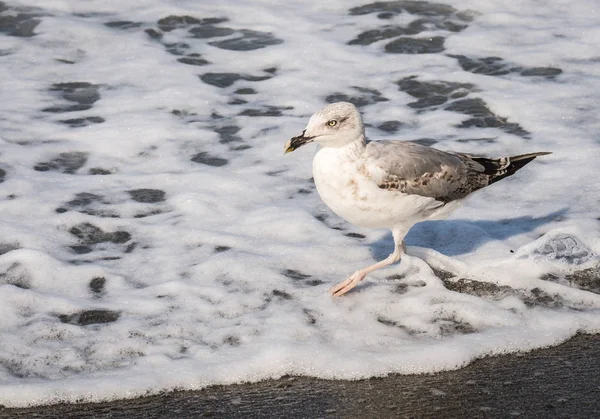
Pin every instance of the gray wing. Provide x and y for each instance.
(419, 170)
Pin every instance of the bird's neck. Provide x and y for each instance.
(355, 148)
(344, 149)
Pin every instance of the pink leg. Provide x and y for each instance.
(352, 281)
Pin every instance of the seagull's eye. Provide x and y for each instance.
(332, 122)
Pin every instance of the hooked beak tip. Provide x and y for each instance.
(288, 148)
(296, 142)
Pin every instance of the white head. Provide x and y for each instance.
(335, 125)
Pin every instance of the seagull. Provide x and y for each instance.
(390, 184)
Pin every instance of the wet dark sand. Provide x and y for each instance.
(558, 382)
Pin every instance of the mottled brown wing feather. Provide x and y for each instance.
(419, 170)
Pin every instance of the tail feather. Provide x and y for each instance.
(498, 169)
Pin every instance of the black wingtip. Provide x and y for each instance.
(530, 156)
(516, 163)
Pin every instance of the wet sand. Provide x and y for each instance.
(558, 382)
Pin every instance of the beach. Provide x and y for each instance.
(559, 382)
(160, 253)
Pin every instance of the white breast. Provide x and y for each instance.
(354, 196)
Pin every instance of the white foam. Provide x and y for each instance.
(228, 279)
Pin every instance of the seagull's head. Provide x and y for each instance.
(335, 125)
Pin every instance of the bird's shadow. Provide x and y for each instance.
(457, 237)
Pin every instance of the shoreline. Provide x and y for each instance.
(560, 381)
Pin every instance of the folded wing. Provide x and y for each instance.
(419, 170)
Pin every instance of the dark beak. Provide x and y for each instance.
(297, 142)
